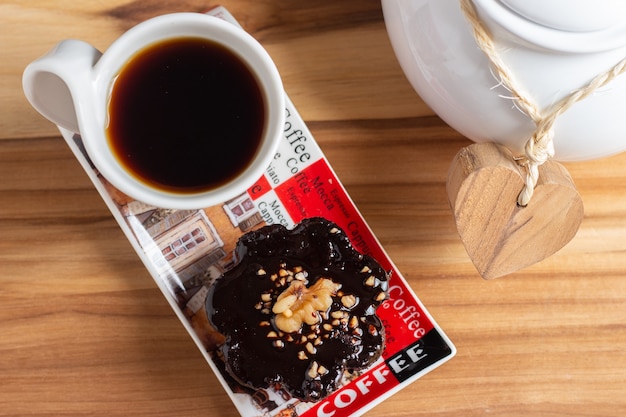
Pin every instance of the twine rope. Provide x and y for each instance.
(540, 147)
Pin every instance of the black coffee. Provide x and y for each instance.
(186, 115)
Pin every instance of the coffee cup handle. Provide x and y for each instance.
(54, 83)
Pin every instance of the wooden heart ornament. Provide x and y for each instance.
(499, 236)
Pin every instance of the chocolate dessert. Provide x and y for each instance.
(299, 309)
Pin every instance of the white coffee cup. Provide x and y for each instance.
(72, 84)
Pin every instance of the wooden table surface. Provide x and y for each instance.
(84, 331)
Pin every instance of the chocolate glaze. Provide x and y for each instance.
(257, 360)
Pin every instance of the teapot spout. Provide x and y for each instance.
(52, 82)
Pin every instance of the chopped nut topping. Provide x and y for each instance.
(348, 301)
(308, 316)
(313, 370)
(370, 281)
(338, 314)
(304, 304)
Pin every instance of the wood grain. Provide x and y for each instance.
(85, 332)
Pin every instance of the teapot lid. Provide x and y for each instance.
(563, 25)
(571, 15)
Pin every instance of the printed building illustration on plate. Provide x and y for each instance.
(189, 246)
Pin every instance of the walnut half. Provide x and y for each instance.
(298, 305)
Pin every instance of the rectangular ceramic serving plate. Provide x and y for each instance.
(185, 251)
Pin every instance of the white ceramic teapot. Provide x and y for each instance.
(552, 47)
